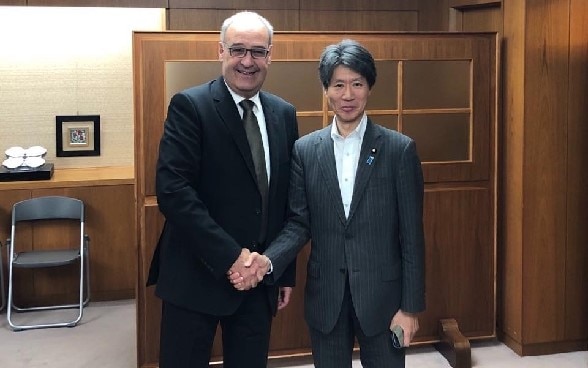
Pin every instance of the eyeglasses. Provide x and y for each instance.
(240, 52)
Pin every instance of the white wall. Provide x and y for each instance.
(70, 61)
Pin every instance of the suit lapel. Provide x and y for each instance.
(225, 107)
(370, 152)
(326, 160)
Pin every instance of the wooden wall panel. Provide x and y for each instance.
(576, 295)
(211, 19)
(544, 258)
(482, 19)
(511, 203)
(374, 15)
(99, 3)
(475, 16)
(349, 20)
(458, 244)
(234, 4)
(358, 5)
(13, 2)
(148, 305)
(546, 105)
(433, 15)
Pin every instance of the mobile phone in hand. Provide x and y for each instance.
(397, 336)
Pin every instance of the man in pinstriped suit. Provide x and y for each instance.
(356, 189)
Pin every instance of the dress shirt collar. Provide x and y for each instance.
(237, 98)
(359, 130)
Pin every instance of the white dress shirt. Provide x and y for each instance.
(347, 151)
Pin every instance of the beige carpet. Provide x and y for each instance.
(106, 339)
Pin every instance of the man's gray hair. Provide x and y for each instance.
(246, 17)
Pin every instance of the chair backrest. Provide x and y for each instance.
(50, 207)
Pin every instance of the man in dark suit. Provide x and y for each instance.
(221, 201)
(357, 191)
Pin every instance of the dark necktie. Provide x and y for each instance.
(258, 154)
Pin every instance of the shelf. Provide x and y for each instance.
(78, 177)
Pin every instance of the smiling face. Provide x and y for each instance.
(245, 75)
(347, 94)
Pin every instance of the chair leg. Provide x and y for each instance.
(87, 260)
(84, 291)
(10, 303)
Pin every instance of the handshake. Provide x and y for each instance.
(248, 270)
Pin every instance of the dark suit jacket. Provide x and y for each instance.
(380, 247)
(206, 189)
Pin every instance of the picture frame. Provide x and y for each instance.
(77, 135)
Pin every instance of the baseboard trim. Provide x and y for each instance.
(543, 348)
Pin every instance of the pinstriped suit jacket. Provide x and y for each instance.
(380, 246)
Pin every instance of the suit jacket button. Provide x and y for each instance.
(258, 212)
(254, 246)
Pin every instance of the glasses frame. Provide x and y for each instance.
(232, 50)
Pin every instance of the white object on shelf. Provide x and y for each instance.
(34, 161)
(13, 162)
(15, 152)
(35, 151)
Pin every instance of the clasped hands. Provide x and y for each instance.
(248, 270)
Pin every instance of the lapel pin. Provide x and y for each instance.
(370, 159)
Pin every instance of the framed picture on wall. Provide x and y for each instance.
(77, 135)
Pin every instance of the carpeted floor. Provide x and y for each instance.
(106, 339)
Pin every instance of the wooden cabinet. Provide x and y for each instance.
(544, 255)
(454, 123)
(108, 195)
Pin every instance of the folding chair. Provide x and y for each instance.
(56, 209)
